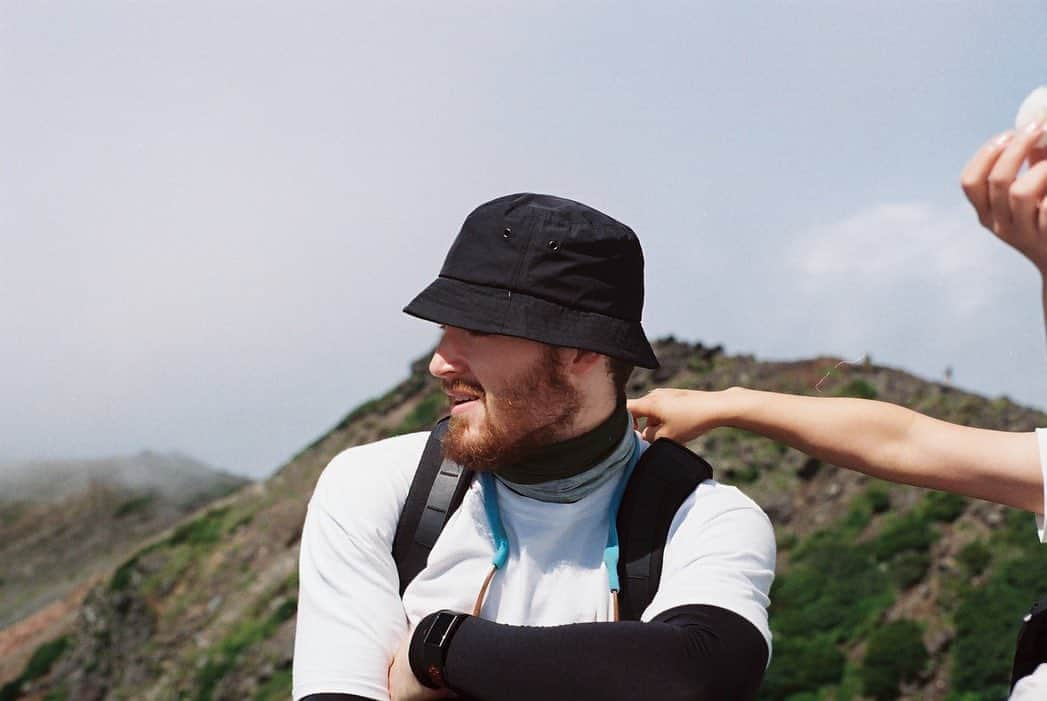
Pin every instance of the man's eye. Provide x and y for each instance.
(477, 334)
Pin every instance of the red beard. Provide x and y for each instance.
(533, 411)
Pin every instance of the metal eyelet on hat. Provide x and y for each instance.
(508, 233)
(553, 245)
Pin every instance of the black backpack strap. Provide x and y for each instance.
(1031, 649)
(666, 474)
(436, 491)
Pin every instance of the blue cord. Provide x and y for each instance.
(610, 553)
(494, 520)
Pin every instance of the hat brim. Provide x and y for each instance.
(500, 311)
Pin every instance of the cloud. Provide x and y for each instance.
(911, 244)
(918, 285)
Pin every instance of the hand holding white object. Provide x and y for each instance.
(1010, 203)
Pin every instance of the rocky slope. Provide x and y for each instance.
(883, 591)
(64, 525)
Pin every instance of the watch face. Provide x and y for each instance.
(438, 630)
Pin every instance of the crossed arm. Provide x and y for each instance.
(692, 652)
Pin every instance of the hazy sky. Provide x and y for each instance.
(211, 214)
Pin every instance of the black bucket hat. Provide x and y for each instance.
(546, 269)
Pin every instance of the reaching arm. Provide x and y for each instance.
(877, 438)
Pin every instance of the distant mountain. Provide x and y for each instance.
(63, 524)
(176, 477)
(882, 591)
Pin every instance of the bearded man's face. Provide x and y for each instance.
(508, 397)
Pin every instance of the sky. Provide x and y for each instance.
(211, 214)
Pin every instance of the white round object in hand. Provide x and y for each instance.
(1034, 109)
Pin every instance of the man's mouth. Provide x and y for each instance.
(462, 398)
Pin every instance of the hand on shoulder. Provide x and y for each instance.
(679, 414)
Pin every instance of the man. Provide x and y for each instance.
(540, 300)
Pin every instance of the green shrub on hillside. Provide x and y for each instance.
(895, 655)
(874, 500)
(987, 622)
(424, 414)
(1018, 531)
(835, 593)
(44, 657)
(699, 362)
(122, 576)
(222, 659)
(911, 531)
(745, 475)
(11, 690)
(878, 497)
(801, 664)
(205, 530)
(277, 688)
(257, 627)
(858, 388)
(832, 589)
(988, 617)
(859, 515)
(943, 506)
(786, 540)
(909, 567)
(39, 664)
(974, 557)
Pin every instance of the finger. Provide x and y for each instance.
(652, 432)
(1025, 198)
(1042, 224)
(1038, 154)
(975, 175)
(1003, 174)
(637, 407)
(653, 425)
(644, 407)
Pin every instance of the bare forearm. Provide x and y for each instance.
(893, 443)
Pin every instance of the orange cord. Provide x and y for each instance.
(483, 591)
(487, 583)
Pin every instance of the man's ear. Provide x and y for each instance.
(581, 362)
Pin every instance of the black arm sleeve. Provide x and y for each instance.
(694, 652)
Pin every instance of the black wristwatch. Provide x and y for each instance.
(428, 651)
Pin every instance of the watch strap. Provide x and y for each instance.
(427, 652)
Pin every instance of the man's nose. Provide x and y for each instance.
(446, 361)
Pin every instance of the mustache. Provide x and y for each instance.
(462, 386)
